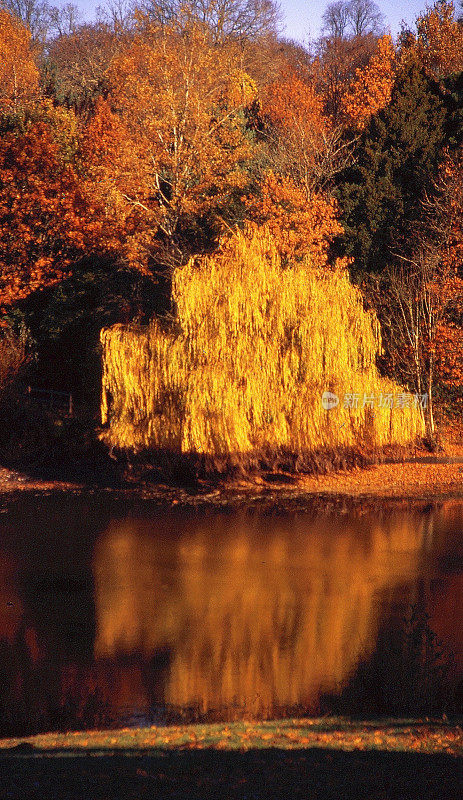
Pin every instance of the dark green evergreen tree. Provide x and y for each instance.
(454, 98)
(396, 161)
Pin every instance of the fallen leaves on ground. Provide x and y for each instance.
(339, 734)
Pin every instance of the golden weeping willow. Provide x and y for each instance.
(257, 345)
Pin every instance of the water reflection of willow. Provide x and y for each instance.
(259, 615)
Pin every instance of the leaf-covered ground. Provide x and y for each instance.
(287, 758)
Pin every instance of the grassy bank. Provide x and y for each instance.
(391, 735)
(326, 758)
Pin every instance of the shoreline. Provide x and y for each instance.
(400, 482)
(421, 477)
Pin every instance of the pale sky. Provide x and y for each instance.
(303, 17)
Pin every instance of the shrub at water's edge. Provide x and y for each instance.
(257, 345)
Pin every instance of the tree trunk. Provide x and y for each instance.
(430, 427)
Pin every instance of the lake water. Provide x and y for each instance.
(111, 614)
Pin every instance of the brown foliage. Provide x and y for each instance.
(336, 64)
(77, 63)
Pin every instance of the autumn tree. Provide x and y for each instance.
(225, 19)
(444, 220)
(298, 132)
(437, 41)
(372, 88)
(301, 151)
(64, 20)
(417, 295)
(18, 72)
(251, 25)
(33, 14)
(117, 15)
(350, 32)
(119, 178)
(335, 20)
(302, 142)
(301, 223)
(44, 225)
(180, 101)
(75, 67)
(335, 66)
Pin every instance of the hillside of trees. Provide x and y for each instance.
(132, 144)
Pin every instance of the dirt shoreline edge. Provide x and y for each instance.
(399, 483)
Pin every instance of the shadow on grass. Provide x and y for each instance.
(312, 773)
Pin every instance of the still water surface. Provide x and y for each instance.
(110, 613)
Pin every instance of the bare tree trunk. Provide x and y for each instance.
(430, 415)
(416, 355)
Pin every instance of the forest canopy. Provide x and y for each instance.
(136, 144)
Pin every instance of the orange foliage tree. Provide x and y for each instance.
(298, 127)
(44, 217)
(18, 73)
(438, 41)
(372, 88)
(335, 66)
(301, 224)
(304, 144)
(118, 179)
(447, 215)
(303, 153)
(176, 106)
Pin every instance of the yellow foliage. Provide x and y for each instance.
(241, 90)
(19, 77)
(257, 346)
(63, 125)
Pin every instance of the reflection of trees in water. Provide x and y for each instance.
(251, 612)
(410, 673)
(37, 690)
(37, 694)
(446, 595)
(258, 611)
